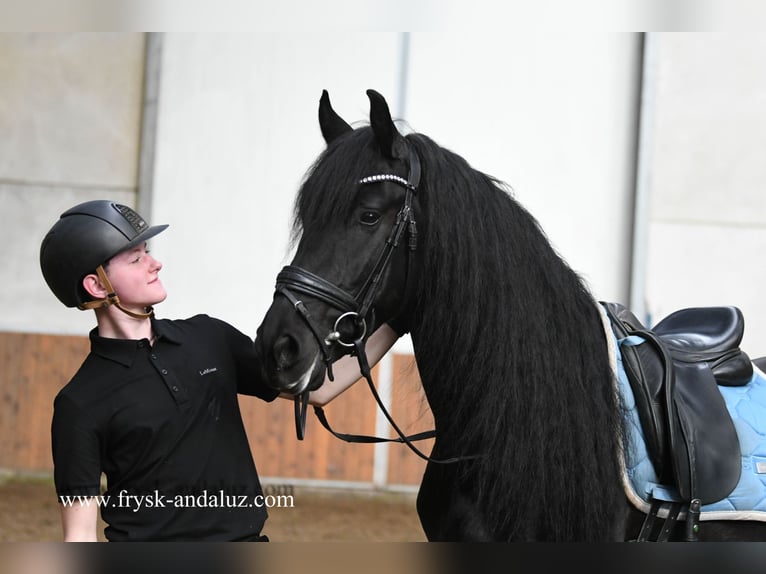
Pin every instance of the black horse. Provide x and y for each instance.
(509, 342)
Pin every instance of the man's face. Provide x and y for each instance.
(134, 275)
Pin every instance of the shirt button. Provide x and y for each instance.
(154, 356)
(164, 371)
(175, 389)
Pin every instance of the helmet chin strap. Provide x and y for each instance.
(112, 299)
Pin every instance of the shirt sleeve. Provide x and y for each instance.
(76, 450)
(249, 373)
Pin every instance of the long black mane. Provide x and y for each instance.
(513, 357)
(508, 341)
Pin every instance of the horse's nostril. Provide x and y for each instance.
(285, 351)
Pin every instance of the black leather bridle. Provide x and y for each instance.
(294, 281)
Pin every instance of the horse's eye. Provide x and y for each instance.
(369, 217)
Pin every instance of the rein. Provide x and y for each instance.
(293, 279)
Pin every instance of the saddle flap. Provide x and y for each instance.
(647, 376)
(703, 440)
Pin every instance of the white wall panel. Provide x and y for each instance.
(551, 115)
(70, 119)
(554, 116)
(237, 130)
(707, 178)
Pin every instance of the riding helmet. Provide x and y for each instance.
(86, 236)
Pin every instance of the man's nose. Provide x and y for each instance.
(156, 264)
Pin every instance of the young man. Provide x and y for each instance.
(154, 405)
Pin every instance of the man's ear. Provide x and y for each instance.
(93, 286)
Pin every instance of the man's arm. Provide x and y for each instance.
(346, 369)
(80, 522)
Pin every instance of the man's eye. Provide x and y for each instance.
(369, 217)
(138, 257)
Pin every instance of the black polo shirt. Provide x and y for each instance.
(163, 423)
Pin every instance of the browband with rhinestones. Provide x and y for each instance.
(387, 177)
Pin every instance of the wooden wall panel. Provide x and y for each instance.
(32, 370)
(411, 412)
(319, 456)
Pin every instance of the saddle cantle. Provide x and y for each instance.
(674, 371)
(709, 335)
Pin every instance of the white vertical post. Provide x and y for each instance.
(638, 303)
(382, 426)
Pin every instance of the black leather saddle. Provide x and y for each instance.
(674, 370)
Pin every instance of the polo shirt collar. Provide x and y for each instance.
(124, 351)
(163, 329)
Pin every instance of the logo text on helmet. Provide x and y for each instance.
(131, 216)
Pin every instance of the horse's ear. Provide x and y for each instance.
(389, 139)
(332, 125)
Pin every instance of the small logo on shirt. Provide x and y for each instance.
(207, 371)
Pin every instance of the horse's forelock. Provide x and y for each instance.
(331, 181)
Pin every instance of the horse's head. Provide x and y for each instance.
(355, 219)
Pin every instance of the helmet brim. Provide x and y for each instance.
(142, 237)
